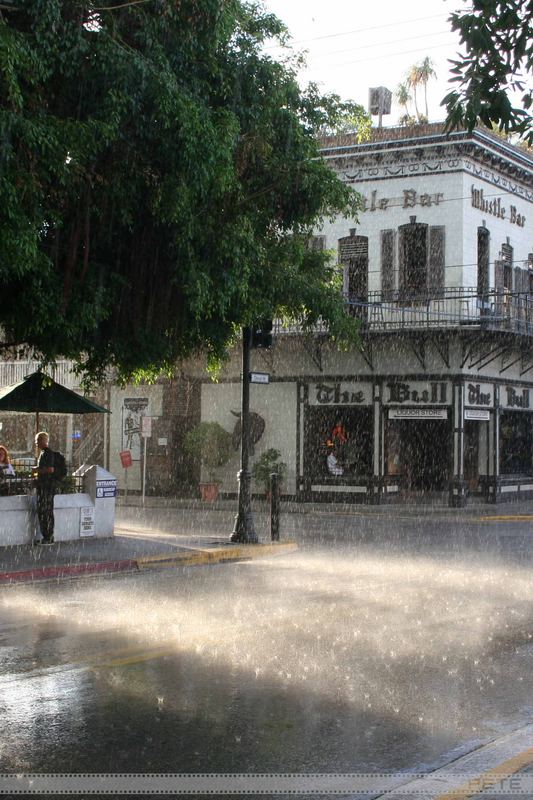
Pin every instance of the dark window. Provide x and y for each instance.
(436, 260)
(353, 255)
(483, 260)
(353, 450)
(516, 430)
(413, 251)
(387, 264)
(507, 261)
(422, 259)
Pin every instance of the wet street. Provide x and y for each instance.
(387, 642)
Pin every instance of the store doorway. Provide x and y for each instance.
(471, 454)
(419, 452)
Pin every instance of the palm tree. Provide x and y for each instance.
(425, 72)
(412, 81)
(403, 97)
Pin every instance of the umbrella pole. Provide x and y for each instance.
(37, 422)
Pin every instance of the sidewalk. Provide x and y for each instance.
(128, 551)
(152, 536)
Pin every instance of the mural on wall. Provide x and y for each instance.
(257, 429)
(133, 408)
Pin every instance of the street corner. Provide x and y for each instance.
(225, 553)
(56, 572)
(497, 769)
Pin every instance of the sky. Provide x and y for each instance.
(355, 44)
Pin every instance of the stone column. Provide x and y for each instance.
(458, 483)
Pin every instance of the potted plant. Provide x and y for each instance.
(211, 443)
(267, 463)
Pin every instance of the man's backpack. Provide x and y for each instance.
(60, 466)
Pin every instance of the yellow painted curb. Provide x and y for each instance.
(229, 553)
(507, 518)
(490, 778)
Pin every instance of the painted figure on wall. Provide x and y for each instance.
(133, 408)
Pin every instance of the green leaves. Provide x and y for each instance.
(160, 177)
(497, 35)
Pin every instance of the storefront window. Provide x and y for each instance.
(338, 442)
(419, 452)
(516, 428)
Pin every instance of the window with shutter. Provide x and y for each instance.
(507, 260)
(353, 255)
(483, 261)
(498, 275)
(435, 273)
(387, 264)
(413, 255)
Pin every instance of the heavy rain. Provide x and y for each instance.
(266, 399)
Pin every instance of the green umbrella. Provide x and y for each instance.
(38, 393)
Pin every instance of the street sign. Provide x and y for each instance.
(480, 414)
(146, 427)
(418, 413)
(106, 488)
(126, 459)
(259, 377)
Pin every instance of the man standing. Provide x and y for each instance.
(45, 488)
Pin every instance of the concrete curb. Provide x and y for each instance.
(67, 571)
(472, 774)
(236, 552)
(244, 552)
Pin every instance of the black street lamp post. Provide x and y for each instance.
(244, 530)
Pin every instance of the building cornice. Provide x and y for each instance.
(401, 144)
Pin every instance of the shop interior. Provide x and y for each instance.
(338, 442)
(419, 451)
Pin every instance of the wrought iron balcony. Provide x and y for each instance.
(459, 308)
(496, 309)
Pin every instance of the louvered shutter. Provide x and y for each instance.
(436, 260)
(387, 264)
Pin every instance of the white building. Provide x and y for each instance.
(438, 398)
(439, 270)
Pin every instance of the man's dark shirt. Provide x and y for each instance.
(46, 459)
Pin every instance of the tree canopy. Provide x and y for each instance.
(498, 39)
(160, 180)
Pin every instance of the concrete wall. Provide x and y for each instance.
(276, 403)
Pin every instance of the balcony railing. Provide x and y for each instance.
(495, 309)
(15, 371)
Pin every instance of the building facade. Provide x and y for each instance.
(438, 269)
(437, 399)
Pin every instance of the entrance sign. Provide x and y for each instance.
(259, 377)
(87, 521)
(418, 413)
(480, 414)
(126, 459)
(340, 393)
(106, 488)
(417, 393)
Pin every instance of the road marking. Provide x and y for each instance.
(507, 518)
(490, 778)
(136, 658)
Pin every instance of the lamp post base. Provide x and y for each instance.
(243, 530)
